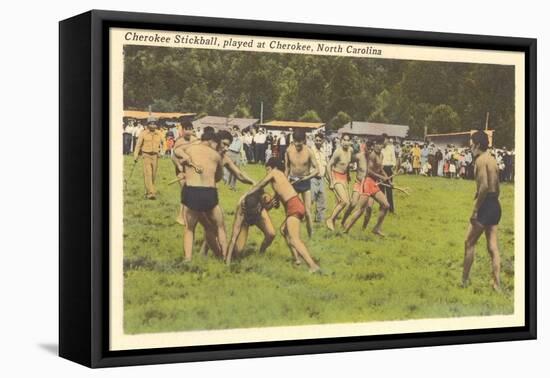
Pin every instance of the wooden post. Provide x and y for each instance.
(261, 113)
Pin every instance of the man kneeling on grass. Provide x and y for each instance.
(294, 207)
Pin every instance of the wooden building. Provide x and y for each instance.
(225, 123)
(277, 127)
(373, 130)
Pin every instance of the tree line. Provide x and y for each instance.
(441, 96)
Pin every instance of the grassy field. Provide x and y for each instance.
(413, 273)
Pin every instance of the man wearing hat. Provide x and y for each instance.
(148, 145)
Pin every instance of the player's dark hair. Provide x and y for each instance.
(208, 134)
(346, 135)
(275, 163)
(224, 134)
(186, 124)
(481, 139)
(299, 135)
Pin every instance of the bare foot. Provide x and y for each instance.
(315, 269)
(378, 232)
(330, 224)
(496, 287)
(297, 262)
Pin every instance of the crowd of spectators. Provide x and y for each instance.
(256, 146)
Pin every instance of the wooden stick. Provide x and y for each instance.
(404, 190)
(176, 180)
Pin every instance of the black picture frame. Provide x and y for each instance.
(84, 193)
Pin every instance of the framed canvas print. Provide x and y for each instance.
(234, 188)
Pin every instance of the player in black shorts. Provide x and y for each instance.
(252, 211)
(487, 212)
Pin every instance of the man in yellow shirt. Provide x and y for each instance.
(148, 145)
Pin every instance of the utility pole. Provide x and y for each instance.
(487, 121)
(261, 113)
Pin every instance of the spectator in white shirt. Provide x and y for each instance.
(135, 134)
(127, 138)
(247, 145)
(259, 140)
(317, 183)
(282, 145)
(389, 161)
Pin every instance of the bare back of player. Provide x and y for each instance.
(200, 196)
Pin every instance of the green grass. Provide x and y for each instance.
(413, 273)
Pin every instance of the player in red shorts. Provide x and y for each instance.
(375, 174)
(294, 207)
(357, 203)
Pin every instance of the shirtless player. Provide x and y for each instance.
(300, 168)
(294, 208)
(182, 143)
(360, 159)
(337, 171)
(360, 200)
(224, 139)
(376, 174)
(487, 212)
(200, 195)
(251, 211)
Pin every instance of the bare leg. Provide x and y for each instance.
(306, 197)
(380, 197)
(474, 232)
(191, 218)
(343, 202)
(353, 203)
(360, 206)
(368, 213)
(266, 226)
(293, 231)
(204, 248)
(241, 239)
(216, 216)
(284, 232)
(235, 235)
(210, 236)
(492, 247)
(179, 218)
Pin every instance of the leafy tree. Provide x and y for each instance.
(445, 96)
(338, 121)
(310, 116)
(443, 119)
